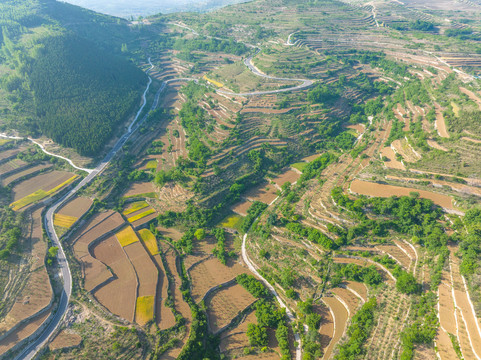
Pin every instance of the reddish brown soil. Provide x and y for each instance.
(94, 271)
(139, 188)
(210, 273)
(37, 292)
(163, 314)
(236, 338)
(393, 163)
(241, 207)
(340, 323)
(22, 332)
(265, 193)
(65, 339)
(119, 295)
(358, 287)
(172, 233)
(76, 207)
(9, 179)
(397, 254)
(374, 189)
(351, 300)
(45, 182)
(440, 123)
(435, 145)
(289, 176)
(144, 267)
(225, 304)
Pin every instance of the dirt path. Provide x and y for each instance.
(440, 124)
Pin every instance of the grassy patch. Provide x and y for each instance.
(299, 166)
(64, 221)
(4, 141)
(144, 309)
(126, 236)
(150, 195)
(140, 216)
(150, 241)
(232, 222)
(152, 164)
(39, 195)
(136, 206)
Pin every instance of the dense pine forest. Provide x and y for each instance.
(62, 74)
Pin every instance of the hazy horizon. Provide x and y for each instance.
(127, 8)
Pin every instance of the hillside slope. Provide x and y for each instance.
(66, 79)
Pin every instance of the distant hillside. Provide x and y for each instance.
(63, 75)
(125, 8)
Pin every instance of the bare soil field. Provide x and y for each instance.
(65, 339)
(210, 273)
(374, 189)
(11, 165)
(163, 314)
(45, 182)
(241, 207)
(237, 338)
(393, 163)
(36, 294)
(290, 176)
(340, 323)
(440, 122)
(350, 299)
(138, 189)
(436, 145)
(171, 233)
(225, 304)
(10, 153)
(359, 288)
(22, 332)
(119, 295)
(179, 303)
(265, 193)
(9, 179)
(94, 272)
(147, 274)
(202, 250)
(76, 207)
(397, 254)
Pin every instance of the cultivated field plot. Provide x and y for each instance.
(225, 304)
(374, 189)
(76, 207)
(119, 295)
(141, 190)
(290, 176)
(100, 226)
(7, 180)
(28, 301)
(144, 267)
(210, 273)
(40, 187)
(65, 339)
(142, 216)
(126, 236)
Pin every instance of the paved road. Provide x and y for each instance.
(248, 62)
(54, 320)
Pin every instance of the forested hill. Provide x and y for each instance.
(63, 74)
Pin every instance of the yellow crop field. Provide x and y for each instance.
(136, 206)
(64, 221)
(140, 216)
(152, 164)
(126, 236)
(455, 108)
(150, 241)
(231, 222)
(39, 195)
(144, 309)
(216, 83)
